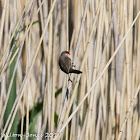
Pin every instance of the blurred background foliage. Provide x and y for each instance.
(33, 33)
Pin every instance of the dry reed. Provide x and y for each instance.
(104, 43)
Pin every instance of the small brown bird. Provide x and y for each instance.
(66, 64)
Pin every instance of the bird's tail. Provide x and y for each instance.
(75, 71)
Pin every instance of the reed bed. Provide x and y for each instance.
(103, 38)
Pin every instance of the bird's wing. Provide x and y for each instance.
(65, 65)
(68, 63)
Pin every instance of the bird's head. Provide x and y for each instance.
(65, 53)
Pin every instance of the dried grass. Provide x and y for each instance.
(103, 39)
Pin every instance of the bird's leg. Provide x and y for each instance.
(69, 78)
(73, 65)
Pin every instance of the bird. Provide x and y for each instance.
(65, 63)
